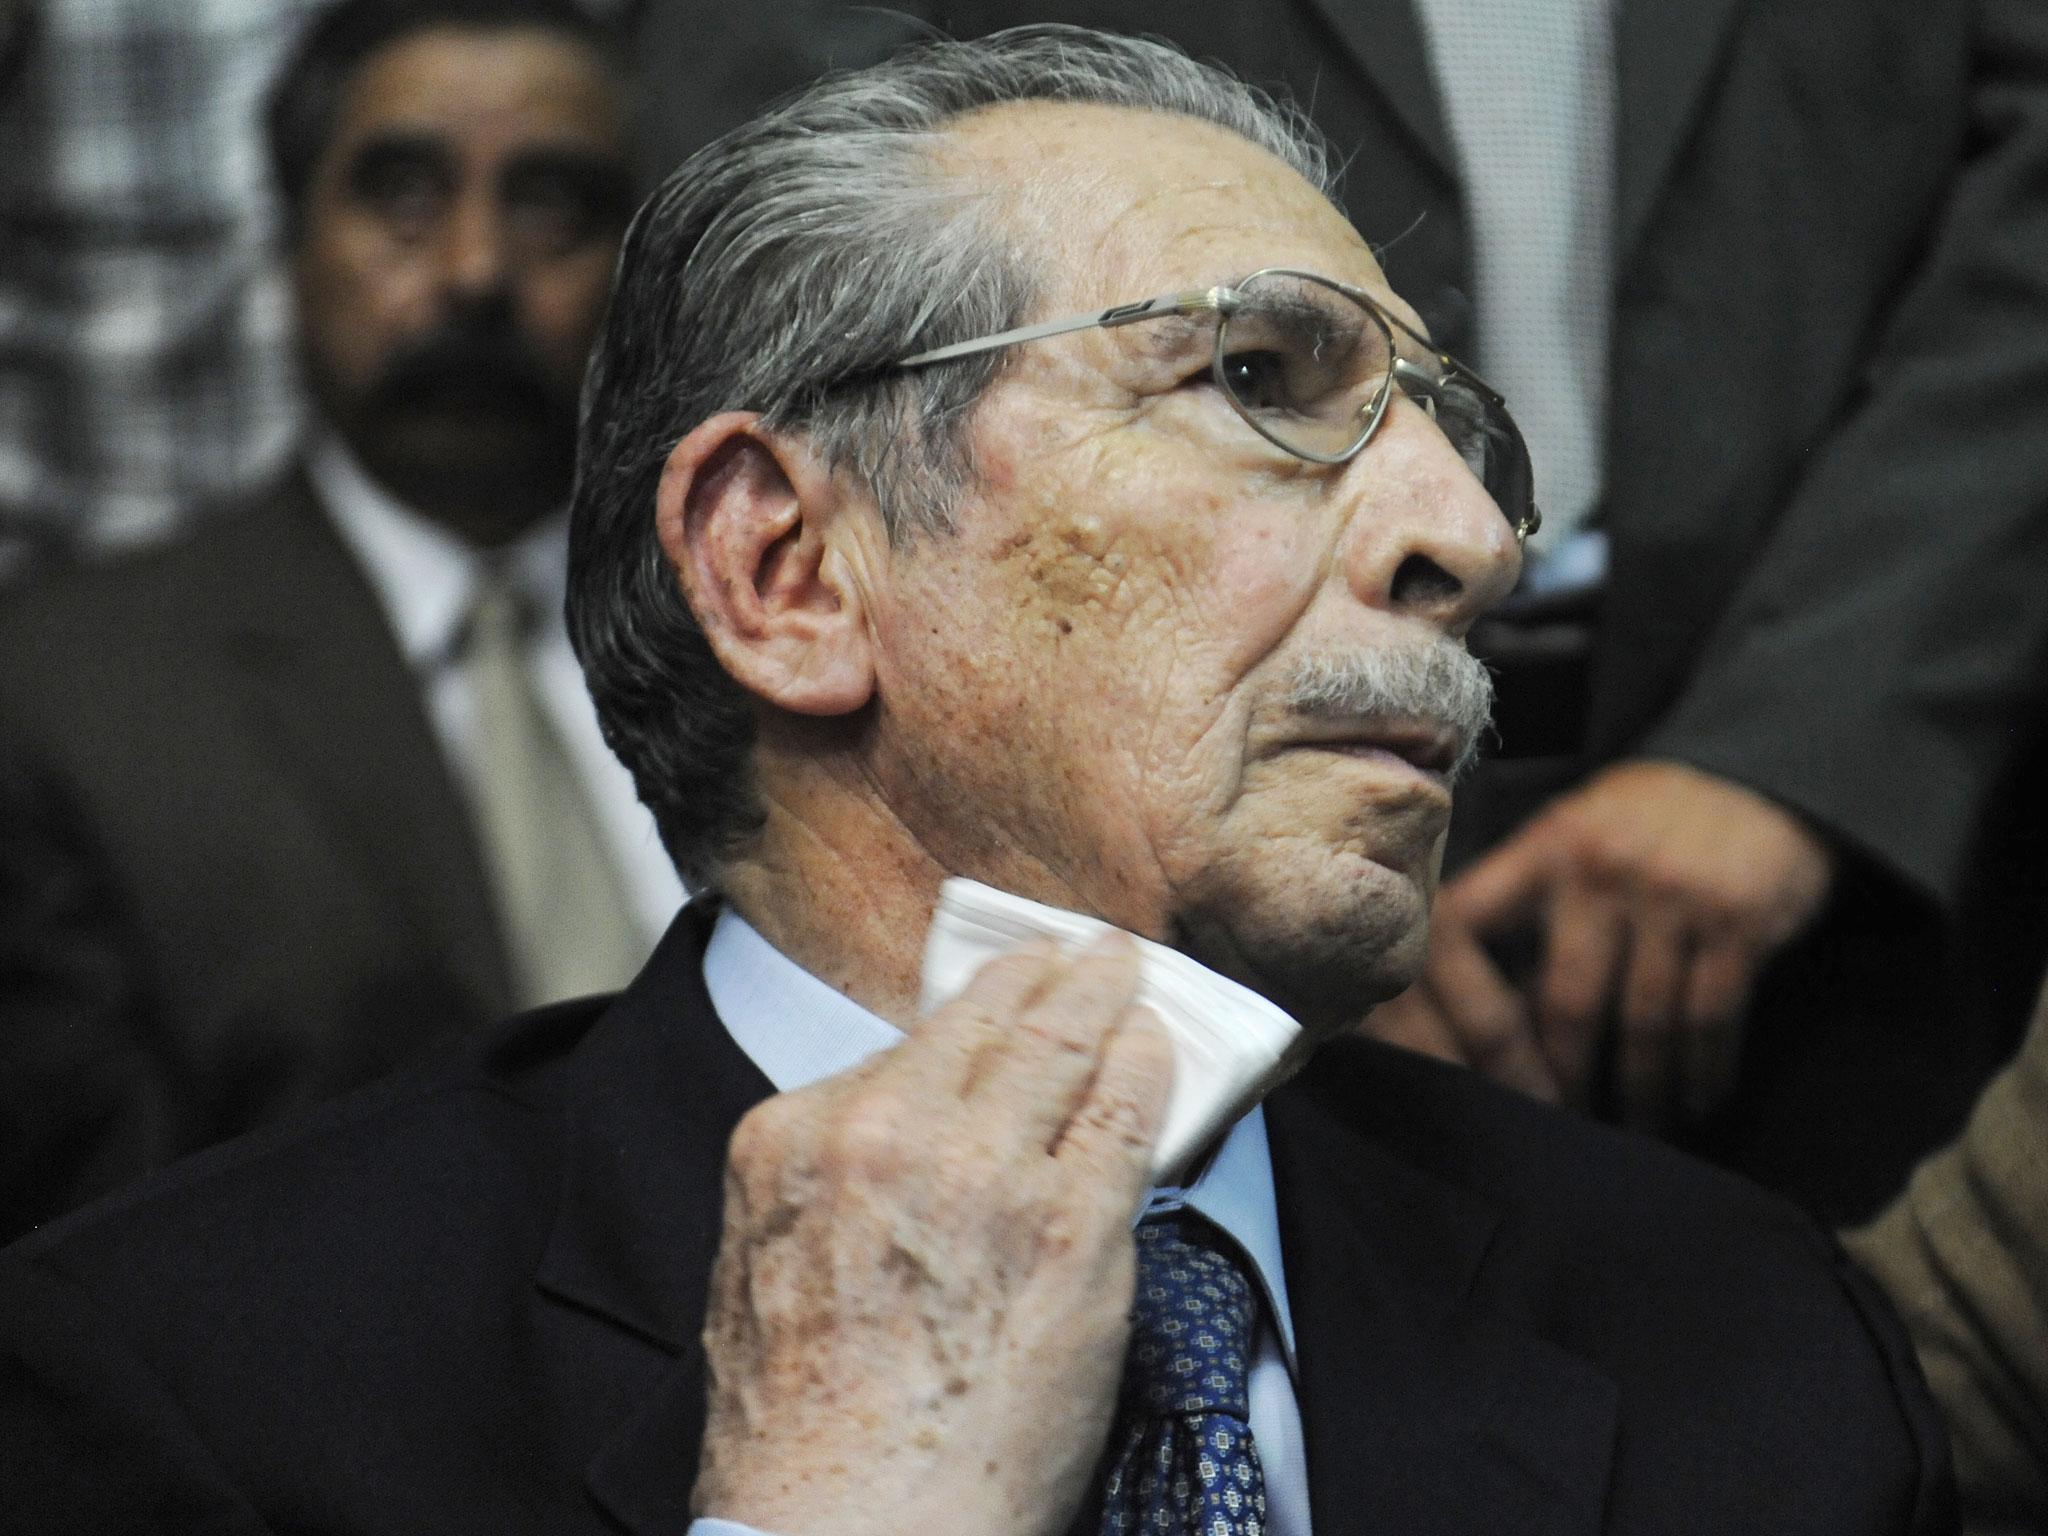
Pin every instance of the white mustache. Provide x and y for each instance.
(1437, 682)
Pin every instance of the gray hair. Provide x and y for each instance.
(783, 269)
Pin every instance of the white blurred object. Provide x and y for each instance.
(1228, 1042)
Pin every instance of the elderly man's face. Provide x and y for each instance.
(1085, 692)
(455, 251)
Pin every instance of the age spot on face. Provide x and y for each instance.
(1069, 561)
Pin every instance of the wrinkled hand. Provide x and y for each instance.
(919, 1308)
(1660, 891)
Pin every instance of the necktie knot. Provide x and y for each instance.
(500, 619)
(1191, 1326)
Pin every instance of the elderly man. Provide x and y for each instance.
(318, 784)
(1004, 462)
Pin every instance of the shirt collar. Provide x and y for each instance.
(1235, 1193)
(798, 1030)
(423, 575)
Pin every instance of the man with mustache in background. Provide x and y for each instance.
(285, 800)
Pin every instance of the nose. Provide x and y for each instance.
(1424, 538)
(475, 254)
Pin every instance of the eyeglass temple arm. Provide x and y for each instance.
(1188, 302)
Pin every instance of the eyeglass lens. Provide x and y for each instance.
(1312, 369)
(1306, 364)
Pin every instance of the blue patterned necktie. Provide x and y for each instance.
(1181, 1459)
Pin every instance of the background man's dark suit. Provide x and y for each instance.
(469, 1300)
(1827, 477)
(234, 703)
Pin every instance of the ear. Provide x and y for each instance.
(743, 516)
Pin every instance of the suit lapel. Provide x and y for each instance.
(1422, 1411)
(1385, 40)
(658, 1089)
(1665, 55)
(331, 696)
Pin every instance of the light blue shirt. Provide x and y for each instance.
(797, 1030)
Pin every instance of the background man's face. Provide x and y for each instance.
(1085, 689)
(455, 251)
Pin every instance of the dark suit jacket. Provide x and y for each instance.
(235, 876)
(469, 1299)
(1827, 470)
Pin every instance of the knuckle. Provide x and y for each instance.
(760, 1139)
(1119, 1116)
(1066, 1030)
(1590, 847)
(998, 977)
(865, 1140)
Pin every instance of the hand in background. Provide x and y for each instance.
(1464, 1010)
(1659, 892)
(919, 1307)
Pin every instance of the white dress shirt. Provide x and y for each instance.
(797, 1030)
(424, 578)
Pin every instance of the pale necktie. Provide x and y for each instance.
(567, 918)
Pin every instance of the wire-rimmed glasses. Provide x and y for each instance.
(1311, 364)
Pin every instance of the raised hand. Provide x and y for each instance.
(918, 1311)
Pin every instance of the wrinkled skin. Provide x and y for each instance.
(1131, 583)
(891, 1315)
